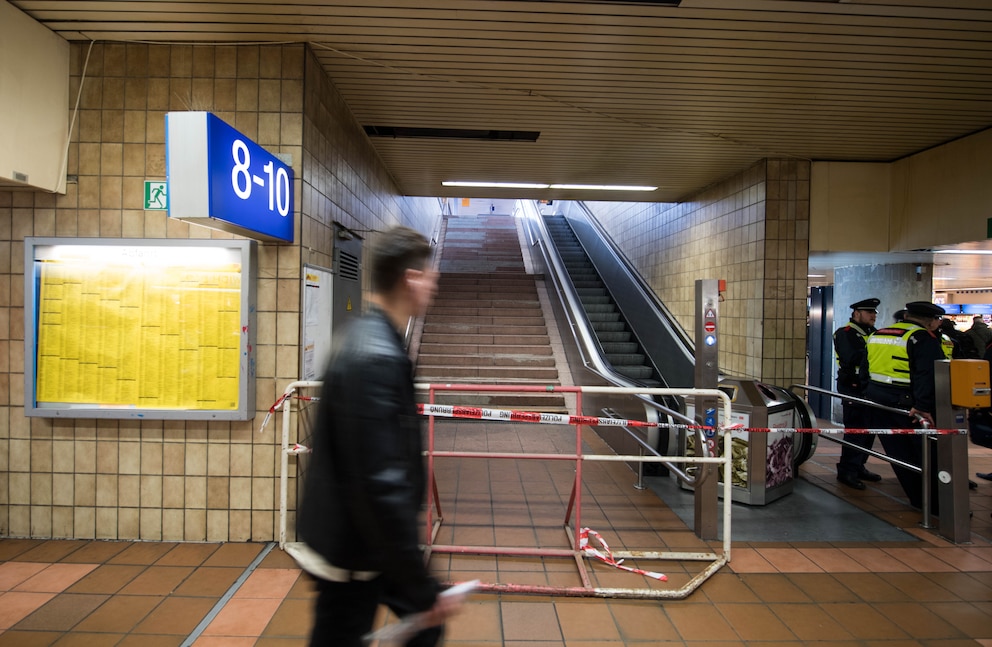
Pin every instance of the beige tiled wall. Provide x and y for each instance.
(753, 231)
(179, 480)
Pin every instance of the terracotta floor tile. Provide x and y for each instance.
(151, 640)
(639, 621)
(810, 622)
(108, 578)
(62, 612)
(56, 578)
(96, 552)
(278, 559)
(224, 641)
(243, 617)
(727, 587)
(209, 581)
(960, 558)
(585, 619)
(52, 550)
(266, 641)
(774, 588)
(120, 613)
(755, 622)
(971, 619)
(13, 573)
(919, 587)
(822, 587)
(920, 560)
(234, 554)
(917, 620)
(530, 621)
(788, 560)
(292, 618)
(695, 621)
(864, 622)
(14, 638)
(877, 560)
(871, 587)
(748, 560)
(268, 583)
(304, 588)
(142, 553)
(175, 616)
(83, 639)
(833, 560)
(15, 606)
(187, 555)
(157, 580)
(477, 621)
(964, 585)
(10, 549)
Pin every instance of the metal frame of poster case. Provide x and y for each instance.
(244, 250)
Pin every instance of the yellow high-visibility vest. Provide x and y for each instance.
(888, 354)
(947, 345)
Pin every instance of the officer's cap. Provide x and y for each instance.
(866, 304)
(924, 309)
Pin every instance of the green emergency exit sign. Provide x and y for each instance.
(156, 195)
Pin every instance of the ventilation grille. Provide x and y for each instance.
(348, 266)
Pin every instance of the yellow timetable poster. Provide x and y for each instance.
(156, 337)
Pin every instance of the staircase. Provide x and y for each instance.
(486, 325)
(622, 349)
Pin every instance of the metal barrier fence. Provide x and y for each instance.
(580, 540)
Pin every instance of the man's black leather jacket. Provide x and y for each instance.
(365, 482)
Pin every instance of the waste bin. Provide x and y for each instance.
(762, 469)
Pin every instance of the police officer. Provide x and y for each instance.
(901, 363)
(852, 379)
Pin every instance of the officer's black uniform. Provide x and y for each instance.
(852, 379)
(923, 349)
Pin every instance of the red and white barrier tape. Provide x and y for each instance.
(606, 555)
(507, 415)
(278, 403)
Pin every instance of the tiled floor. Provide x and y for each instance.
(924, 592)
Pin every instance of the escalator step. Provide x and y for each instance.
(619, 347)
(626, 359)
(609, 327)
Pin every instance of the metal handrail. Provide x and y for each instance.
(588, 346)
(923, 468)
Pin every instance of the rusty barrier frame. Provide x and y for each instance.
(717, 560)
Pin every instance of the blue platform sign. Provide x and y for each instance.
(220, 178)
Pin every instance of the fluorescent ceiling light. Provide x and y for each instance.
(980, 252)
(536, 185)
(604, 187)
(816, 276)
(496, 185)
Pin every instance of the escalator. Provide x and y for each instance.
(621, 348)
(624, 336)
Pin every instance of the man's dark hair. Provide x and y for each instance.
(395, 251)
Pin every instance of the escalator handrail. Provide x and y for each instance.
(590, 350)
(645, 290)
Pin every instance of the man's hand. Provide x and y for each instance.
(927, 418)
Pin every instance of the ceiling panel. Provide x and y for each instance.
(622, 93)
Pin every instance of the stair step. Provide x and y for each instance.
(485, 319)
(480, 329)
(489, 341)
(491, 350)
(472, 373)
(485, 360)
